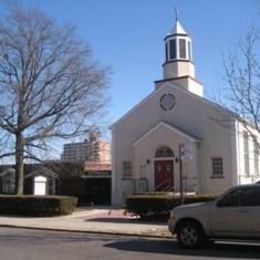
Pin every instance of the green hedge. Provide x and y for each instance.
(37, 206)
(159, 204)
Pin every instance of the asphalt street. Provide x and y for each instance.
(25, 244)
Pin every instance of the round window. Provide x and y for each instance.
(167, 102)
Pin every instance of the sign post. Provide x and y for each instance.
(181, 153)
(185, 153)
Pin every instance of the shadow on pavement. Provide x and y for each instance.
(125, 220)
(18, 236)
(170, 247)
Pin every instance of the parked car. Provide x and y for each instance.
(234, 215)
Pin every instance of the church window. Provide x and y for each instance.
(127, 169)
(217, 167)
(256, 157)
(189, 50)
(182, 48)
(166, 51)
(172, 49)
(246, 153)
(164, 151)
(9, 183)
(167, 102)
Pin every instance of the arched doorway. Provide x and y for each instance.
(163, 169)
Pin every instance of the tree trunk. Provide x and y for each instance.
(19, 165)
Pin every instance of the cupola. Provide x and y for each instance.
(178, 53)
(178, 67)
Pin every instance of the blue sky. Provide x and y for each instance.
(128, 36)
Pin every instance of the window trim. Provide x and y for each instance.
(246, 154)
(127, 172)
(172, 49)
(166, 52)
(8, 183)
(181, 40)
(217, 176)
(256, 157)
(189, 51)
(164, 152)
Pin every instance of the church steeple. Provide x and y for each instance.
(178, 53)
(178, 65)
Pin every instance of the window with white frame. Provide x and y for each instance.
(173, 49)
(256, 156)
(166, 52)
(182, 48)
(164, 151)
(246, 153)
(189, 50)
(217, 167)
(9, 183)
(127, 169)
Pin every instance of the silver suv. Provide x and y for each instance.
(234, 215)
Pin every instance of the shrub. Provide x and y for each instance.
(37, 206)
(159, 204)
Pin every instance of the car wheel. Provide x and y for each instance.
(190, 235)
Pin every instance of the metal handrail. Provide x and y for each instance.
(162, 183)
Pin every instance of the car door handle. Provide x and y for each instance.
(243, 211)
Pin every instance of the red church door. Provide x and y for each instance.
(163, 175)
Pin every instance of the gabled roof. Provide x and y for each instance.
(140, 104)
(7, 171)
(42, 171)
(179, 89)
(172, 128)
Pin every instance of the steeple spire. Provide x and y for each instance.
(176, 14)
(178, 29)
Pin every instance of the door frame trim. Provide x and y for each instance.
(173, 170)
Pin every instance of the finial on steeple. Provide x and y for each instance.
(176, 14)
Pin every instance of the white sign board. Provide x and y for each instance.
(40, 185)
(186, 151)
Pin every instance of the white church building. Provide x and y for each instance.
(176, 139)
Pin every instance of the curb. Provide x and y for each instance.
(115, 233)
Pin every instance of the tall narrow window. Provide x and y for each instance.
(166, 51)
(182, 47)
(256, 157)
(9, 183)
(127, 169)
(172, 49)
(246, 153)
(189, 50)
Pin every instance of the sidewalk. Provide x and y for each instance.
(94, 220)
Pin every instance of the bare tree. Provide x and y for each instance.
(242, 73)
(50, 87)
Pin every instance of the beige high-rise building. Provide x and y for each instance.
(93, 149)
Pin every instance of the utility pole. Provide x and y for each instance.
(181, 153)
